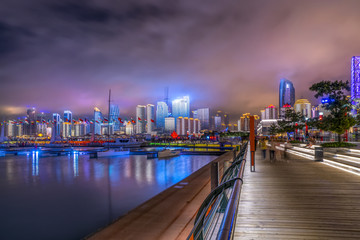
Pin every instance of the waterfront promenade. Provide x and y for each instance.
(298, 198)
(169, 215)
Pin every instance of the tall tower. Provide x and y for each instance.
(67, 124)
(30, 128)
(203, 114)
(355, 79)
(150, 117)
(56, 119)
(286, 93)
(181, 107)
(98, 120)
(140, 119)
(162, 112)
(114, 115)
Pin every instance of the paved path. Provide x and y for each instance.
(298, 199)
(169, 215)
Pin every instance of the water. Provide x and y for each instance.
(69, 197)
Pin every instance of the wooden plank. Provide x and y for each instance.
(298, 199)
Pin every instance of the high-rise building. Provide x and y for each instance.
(181, 107)
(140, 119)
(355, 79)
(11, 129)
(30, 127)
(150, 118)
(217, 122)
(67, 124)
(114, 116)
(244, 122)
(56, 129)
(129, 128)
(97, 121)
(226, 119)
(203, 114)
(162, 112)
(271, 112)
(303, 106)
(283, 110)
(169, 124)
(286, 93)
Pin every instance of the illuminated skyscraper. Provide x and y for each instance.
(57, 124)
(303, 106)
(217, 122)
(150, 117)
(355, 79)
(114, 116)
(169, 124)
(140, 119)
(271, 112)
(30, 127)
(203, 114)
(181, 107)
(162, 112)
(97, 121)
(286, 93)
(67, 124)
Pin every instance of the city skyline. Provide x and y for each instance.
(66, 55)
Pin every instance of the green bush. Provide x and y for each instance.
(296, 141)
(337, 144)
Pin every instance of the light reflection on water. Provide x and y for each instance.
(68, 197)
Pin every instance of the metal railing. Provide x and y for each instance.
(217, 214)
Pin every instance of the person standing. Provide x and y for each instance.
(272, 150)
(263, 147)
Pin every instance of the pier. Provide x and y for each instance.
(290, 198)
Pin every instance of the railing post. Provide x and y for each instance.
(214, 175)
(252, 143)
(234, 157)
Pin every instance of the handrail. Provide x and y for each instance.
(213, 207)
(227, 226)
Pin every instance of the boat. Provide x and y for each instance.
(112, 153)
(168, 153)
(125, 142)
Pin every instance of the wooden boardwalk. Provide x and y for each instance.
(298, 199)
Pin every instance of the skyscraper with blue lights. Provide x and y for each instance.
(355, 79)
(162, 112)
(181, 107)
(67, 124)
(97, 121)
(114, 115)
(56, 129)
(286, 93)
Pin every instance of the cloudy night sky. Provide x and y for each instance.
(228, 55)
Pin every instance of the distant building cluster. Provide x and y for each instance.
(162, 118)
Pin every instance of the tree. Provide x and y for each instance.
(338, 106)
(291, 122)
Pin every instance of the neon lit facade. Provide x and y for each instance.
(286, 93)
(355, 78)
